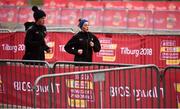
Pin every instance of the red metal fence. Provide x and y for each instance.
(91, 85)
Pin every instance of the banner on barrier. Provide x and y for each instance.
(129, 49)
(118, 89)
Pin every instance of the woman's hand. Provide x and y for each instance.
(49, 50)
(80, 51)
(91, 43)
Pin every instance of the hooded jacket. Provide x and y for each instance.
(34, 43)
(82, 41)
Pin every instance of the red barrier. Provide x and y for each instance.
(172, 81)
(16, 85)
(130, 48)
(134, 88)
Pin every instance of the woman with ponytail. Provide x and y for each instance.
(35, 33)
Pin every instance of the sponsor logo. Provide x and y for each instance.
(125, 91)
(1, 85)
(51, 54)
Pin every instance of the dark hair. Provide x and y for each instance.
(80, 19)
(35, 8)
(38, 13)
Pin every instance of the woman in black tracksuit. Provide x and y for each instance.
(83, 44)
(35, 33)
(35, 44)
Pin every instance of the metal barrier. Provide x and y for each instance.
(27, 84)
(115, 87)
(171, 86)
(5, 30)
(16, 81)
(67, 66)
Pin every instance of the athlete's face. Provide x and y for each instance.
(85, 27)
(41, 21)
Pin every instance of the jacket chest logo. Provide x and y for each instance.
(80, 39)
(37, 32)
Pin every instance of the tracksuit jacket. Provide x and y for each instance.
(82, 41)
(34, 43)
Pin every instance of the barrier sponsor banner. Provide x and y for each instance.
(129, 49)
(120, 89)
(80, 90)
(169, 51)
(172, 81)
(13, 45)
(16, 85)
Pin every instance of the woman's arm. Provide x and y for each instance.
(97, 45)
(70, 46)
